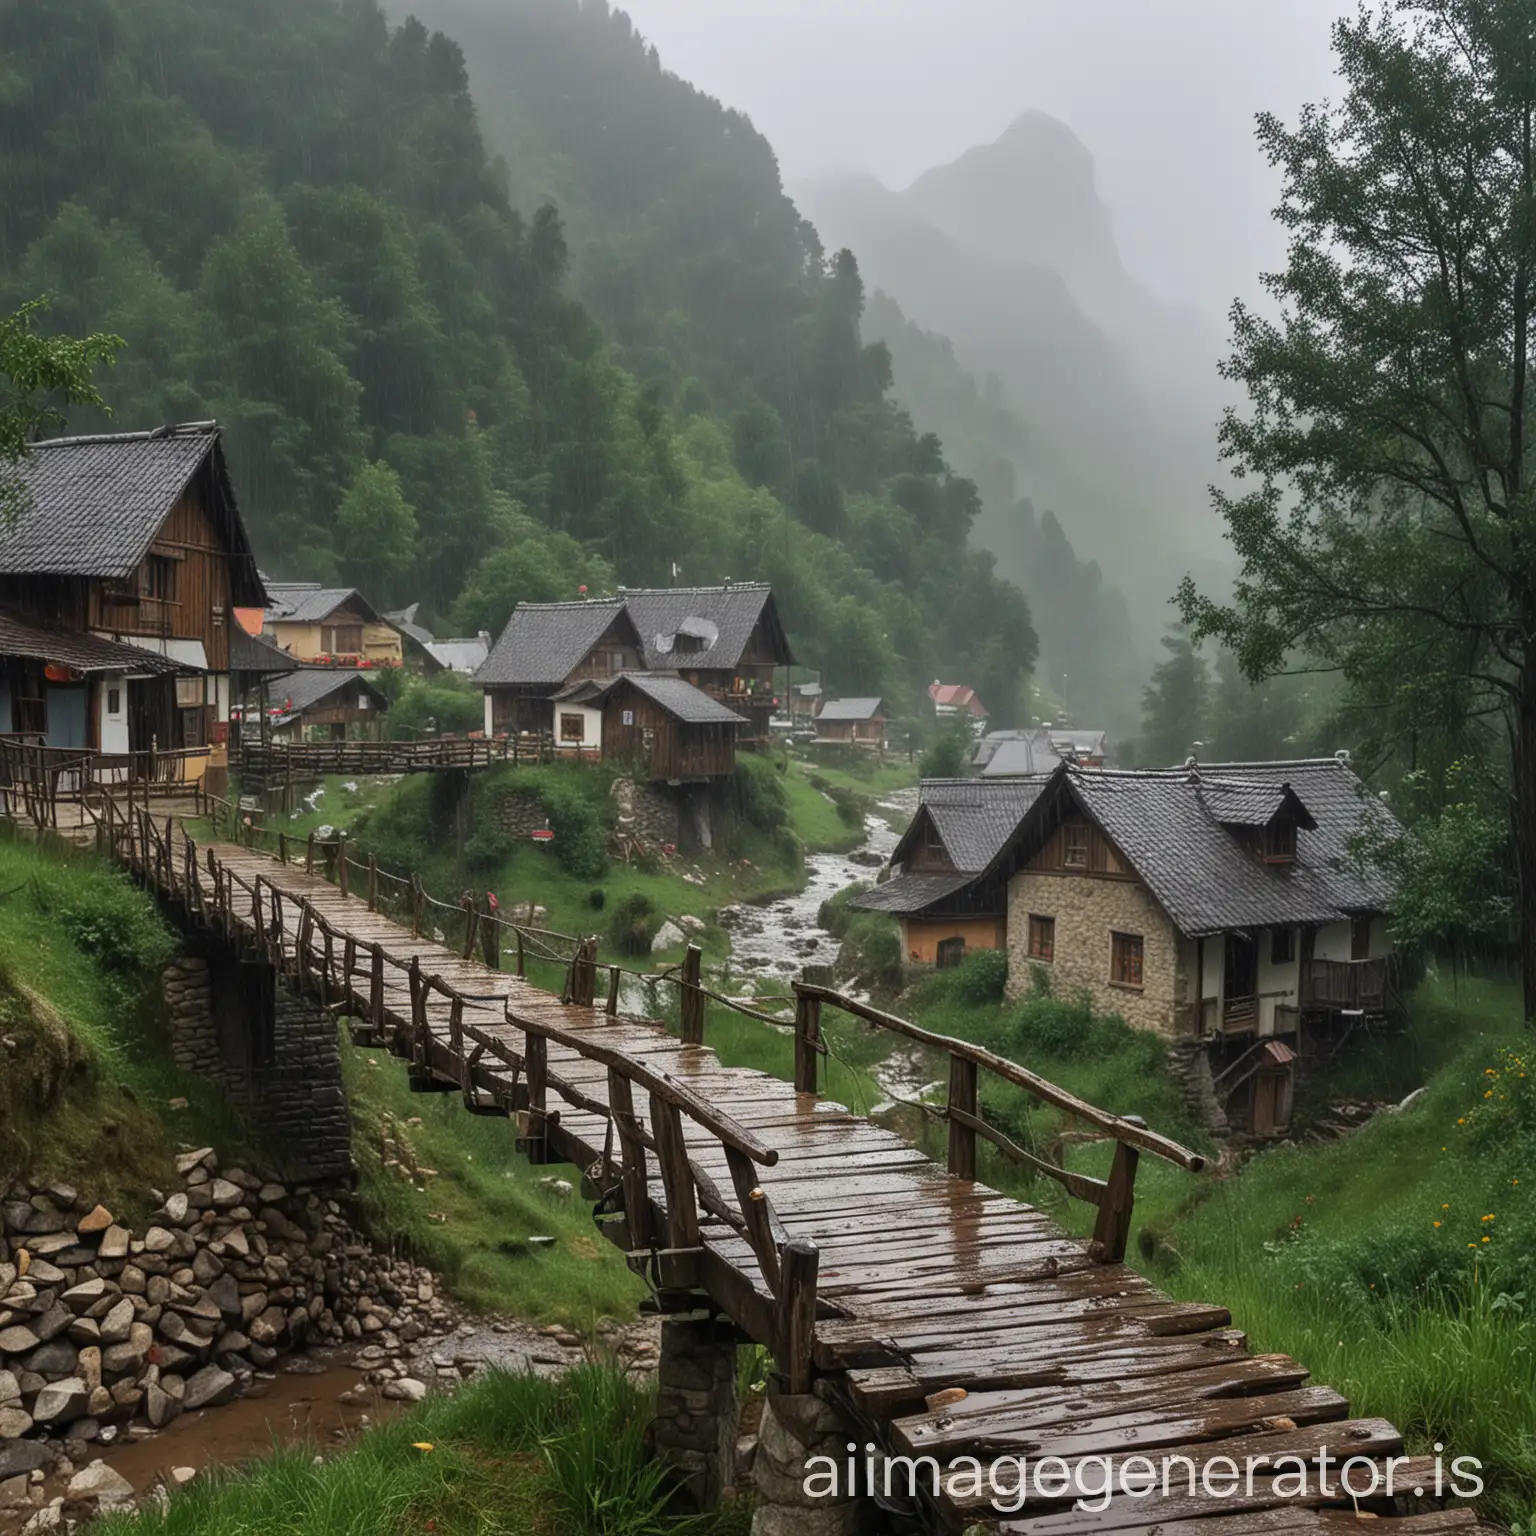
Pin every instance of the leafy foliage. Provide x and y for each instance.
(1176, 705)
(949, 754)
(633, 924)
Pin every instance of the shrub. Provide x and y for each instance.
(758, 796)
(446, 703)
(487, 848)
(106, 917)
(849, 806)
(634, 924)
(597, 898)
(981, 977)
(834, 914)
(872, 948)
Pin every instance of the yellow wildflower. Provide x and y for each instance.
(1437, 1223)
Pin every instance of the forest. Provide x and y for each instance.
(472, 380)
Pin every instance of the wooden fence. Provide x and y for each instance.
(36, 779)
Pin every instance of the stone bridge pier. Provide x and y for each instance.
(275, 1054)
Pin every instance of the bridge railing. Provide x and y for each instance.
(285, 761)
(1113, 1197)
(36, 779)
(662, 1239)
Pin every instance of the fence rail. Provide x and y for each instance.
(287, 761)
(36, 779)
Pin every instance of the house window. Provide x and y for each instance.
(114, 701)
(1279, 842)
(342, 639)
(1042, 938)
(951, 953)
(157, 578)
(1125, 959)
(189, 692)
(628, 717)
(1282, 946)
(1075, 847)
(573, 728)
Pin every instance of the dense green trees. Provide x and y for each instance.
(288, 211)
(1176, 705)
(1384, 515)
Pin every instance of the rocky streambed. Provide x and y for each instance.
(240, 1295)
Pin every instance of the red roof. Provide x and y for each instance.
(957, 696)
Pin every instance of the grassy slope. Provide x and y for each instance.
(505, 1456)
(87, 1092)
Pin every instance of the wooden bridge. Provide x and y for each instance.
(940, 1317)
(287, 762)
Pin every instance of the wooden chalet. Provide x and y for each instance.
(1218, 902)
(121, 564)
(725, 640)
(327, 704)
(547, 648)
(933, 890)
(336, 626)
(673, 732)
(952, 699)
(429, 655)
(852, 722)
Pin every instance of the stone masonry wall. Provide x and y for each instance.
(1087, 911)
(697, 1409)
(294, 1090)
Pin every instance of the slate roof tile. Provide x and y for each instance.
(544, 643)
(722, 617)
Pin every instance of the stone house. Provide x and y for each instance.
(933, 890)
(1218, 902)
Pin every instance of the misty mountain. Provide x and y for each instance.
(1010, 253)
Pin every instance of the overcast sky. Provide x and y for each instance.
(1163, 92)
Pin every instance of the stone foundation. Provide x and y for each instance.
(274, 1053)
(697, 1408)
(796, 1428)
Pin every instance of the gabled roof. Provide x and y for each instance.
(955, 696)
(82, 651)
(92, 506)
(255, 655)
(544, 643)
(1010, 754)
(906, 894)
(308, 686)
(306, 602)
(850, 709)
(972, 817)
(680, 699)
(722, 618)
(404, 619)
(463, 656)
(1167, 824)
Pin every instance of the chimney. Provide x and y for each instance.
(1341, 757)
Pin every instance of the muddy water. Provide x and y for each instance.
(774, 943)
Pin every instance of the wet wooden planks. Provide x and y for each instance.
(954, 1321)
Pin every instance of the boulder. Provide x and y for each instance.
(225, 1194)
(668, 936)
(159, 1240)
(61, 1401)
(159, 1406)
(18, 1457)
(406, 1390)
(53, 1322)
(203, 1157)
(100, 1482)
(224, 1293)
(210, 1387)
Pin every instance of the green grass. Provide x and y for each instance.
(87, 1092)
(471, 1214)
(1332, 1253)
(863, 773)
(507, 1455)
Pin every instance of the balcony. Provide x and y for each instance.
(1350, 986)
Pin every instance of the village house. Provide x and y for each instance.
(122, 560)
(1218, 902)
(255, 668)
(334, 626)
(327, 704)
(955, 699)
(654, 721)
(547, 648)
(804, 700)
(428, 655)
(852, 722)
(1036, 750)
(960, 827)
(725, 640)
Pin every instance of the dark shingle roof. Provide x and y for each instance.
(91, 506)
(681, 699)
(722, 617)
(1203, 877)
(463, 656)
(910, 893)
(309, 685)
(254, 654)
(973, 817)
(83, 651)
(303, 602)
(1009, 754)
(544, 643)
(849, 709)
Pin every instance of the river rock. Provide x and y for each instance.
(117, 1322)
(41, 1272)
(175, 1210)
(82, 1297)
(406, 1390)
(61, 1401)
(14, 1423)
(159, 1406)
(18, 1339)
(100, 1482)
(225, 1194)
(96, 1220)
(53, 1359)
(224, 1294)
(210, 1387)
(18, 1457)
(10, 1389)
(668, 936)
(114, 1243)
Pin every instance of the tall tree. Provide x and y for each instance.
(40, 373)
(376, 533)
(1388, 508)
(1174, 709)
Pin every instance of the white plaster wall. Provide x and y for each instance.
(591, 727)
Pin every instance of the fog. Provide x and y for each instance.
(1163, 92)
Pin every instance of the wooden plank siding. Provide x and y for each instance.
(668, 747)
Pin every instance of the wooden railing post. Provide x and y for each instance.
(373, 883)
(636, 1180)
(343, 881)
(614, 976)
(800, 1266)
(471, 923)
(1112, 1229)
(309, 855)
(376, 988)
(676, 1177)
(418, 903)
(962, 1097)
(807, 1041)
(282, 847)
(535, 1128)
(692, 997)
